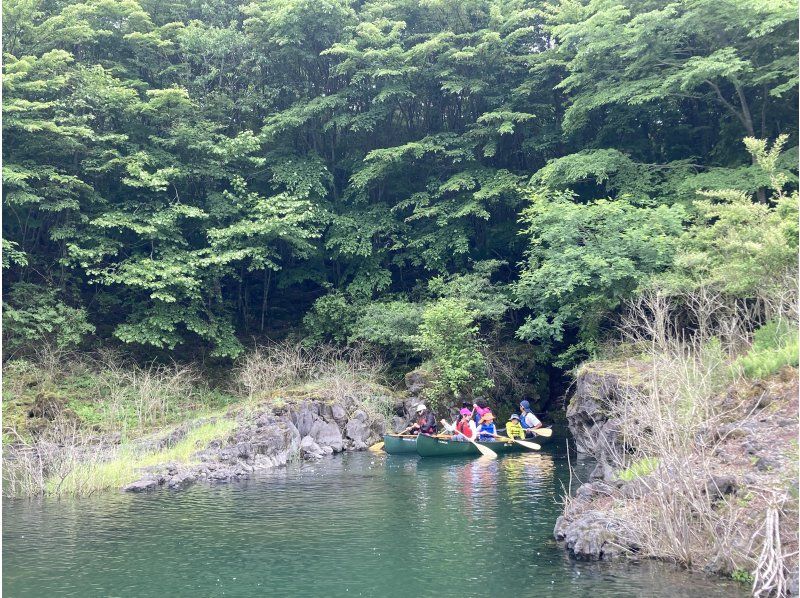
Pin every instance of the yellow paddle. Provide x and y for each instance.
(545, 432)
(483, 450)
(529, 445)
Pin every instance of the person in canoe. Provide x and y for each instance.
(514, 429)
(465, 427)
(479, 409)
(528, 420)
(424, 424)
(486, 427)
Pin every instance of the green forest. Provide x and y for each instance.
(477, 185)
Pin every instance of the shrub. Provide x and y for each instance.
(34, 315)
(391, 325)
(332, 318)
(448, 335)
(775, 345)
(583, 261)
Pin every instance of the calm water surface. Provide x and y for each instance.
(354, 525)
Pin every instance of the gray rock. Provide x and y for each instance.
(182, 480)
(309, 448)
(338, 413)
(592, 537)
(602, 472)
(721, 485)
(141, 486)
(588, 491)
(766, 464)
(327, 434)
(358, 432)
(303, 419)
(733, 430)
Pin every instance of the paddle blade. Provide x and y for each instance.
(376, 447)
(529, 445)
(546, 432)
(485, 450)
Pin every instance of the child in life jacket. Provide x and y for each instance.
(486, 429)
(514, 429)
(465, 427)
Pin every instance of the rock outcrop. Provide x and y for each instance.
(595, 433)
(266, 438)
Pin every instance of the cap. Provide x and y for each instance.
(465, 411)
(525, 405)
(515, 416)
(421, 407)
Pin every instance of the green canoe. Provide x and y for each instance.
(428, 446)
(399, 445)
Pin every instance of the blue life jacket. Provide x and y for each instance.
(485, 431)
(522, 421)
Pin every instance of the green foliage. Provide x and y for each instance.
(775, 345)
(33, 316)
(331, 318)
(391, 325)
(448, 335)
(200, 173)
(739, 245)
(742, 576)
(638, 469)
(584, 260)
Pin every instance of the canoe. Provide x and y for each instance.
(399, 445)
(430, 446)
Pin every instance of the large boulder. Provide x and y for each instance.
(597, 385)
(591, 537)
(327, 434)
(358, 431)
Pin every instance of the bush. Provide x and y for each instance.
(739, 245)
(391, 325)
(448, 335)
(332, 318)
(775, 345)
(34, 316)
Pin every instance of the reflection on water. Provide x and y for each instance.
(357, 525)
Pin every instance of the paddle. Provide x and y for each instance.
(529, 445)
(483, 450)
(546, 432)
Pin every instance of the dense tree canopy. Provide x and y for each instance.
(186, 175)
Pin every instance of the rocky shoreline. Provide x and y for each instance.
(266, 438)
(749, 457)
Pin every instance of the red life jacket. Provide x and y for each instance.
(463, 427)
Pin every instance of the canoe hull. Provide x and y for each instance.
(428, 446)
(396, 445)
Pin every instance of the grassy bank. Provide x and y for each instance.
(75, 424)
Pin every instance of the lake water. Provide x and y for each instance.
(353, 525)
